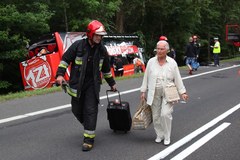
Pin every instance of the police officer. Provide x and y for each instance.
(88, 59)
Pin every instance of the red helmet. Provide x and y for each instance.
(164, 38)
(95, 27)
(195, 37)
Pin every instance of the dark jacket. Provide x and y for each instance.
(77, 57)
(196, 46)
(190, 50)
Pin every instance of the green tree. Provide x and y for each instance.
(18, 25)
(26, 20)
(74, 16)
(213, 23)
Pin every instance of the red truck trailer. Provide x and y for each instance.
(39, 69)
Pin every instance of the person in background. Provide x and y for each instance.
(161, 71)
(216, 51)
(172, 53)
(42, 51)
(118, 67)
(197, 46)
(138, 63)
(163, 38)
(88, 58)
(190, 55)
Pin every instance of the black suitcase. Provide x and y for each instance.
(118, 114)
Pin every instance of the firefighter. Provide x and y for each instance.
(88, 59)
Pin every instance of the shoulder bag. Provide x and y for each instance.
(171, 94)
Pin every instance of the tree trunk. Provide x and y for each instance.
(120, 21)
(209, 51)
(65, 16)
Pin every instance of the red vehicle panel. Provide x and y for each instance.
(43, 58)
(233, 34)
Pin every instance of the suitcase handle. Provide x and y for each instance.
(113, 91)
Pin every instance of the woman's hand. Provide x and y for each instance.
(184, 96)
(143, 96)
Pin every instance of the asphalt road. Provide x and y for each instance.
(205, 128)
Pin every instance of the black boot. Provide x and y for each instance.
(87, 144)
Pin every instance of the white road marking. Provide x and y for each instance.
(33, 113)
(163, 153)
(192, 135)
(200, 142)
(218, 70)
(121, 93)
(103, 97)
(57, 108)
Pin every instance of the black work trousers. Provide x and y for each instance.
(85, 109)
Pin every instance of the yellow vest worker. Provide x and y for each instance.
(216, 47)
(216, 51)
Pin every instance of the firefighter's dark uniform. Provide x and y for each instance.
(87, 64)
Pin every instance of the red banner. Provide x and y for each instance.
(119, 50)
(37, 72)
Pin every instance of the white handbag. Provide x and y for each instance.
(171, 94)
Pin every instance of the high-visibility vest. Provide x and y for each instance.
(217, 48)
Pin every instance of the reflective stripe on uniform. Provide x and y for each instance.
(63, 64)
(89, 134)
(100, 63)
(78, 60)
(107, 75)
(72, 92)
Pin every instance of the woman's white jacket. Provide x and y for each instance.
(171, 77)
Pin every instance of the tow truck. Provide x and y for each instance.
(39, 69)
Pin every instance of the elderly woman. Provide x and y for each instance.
(161, 71)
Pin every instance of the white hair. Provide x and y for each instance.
(165, 44)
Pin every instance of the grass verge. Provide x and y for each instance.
(23, 94)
